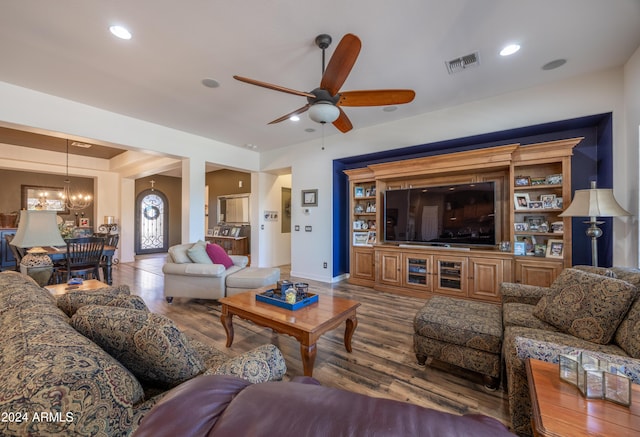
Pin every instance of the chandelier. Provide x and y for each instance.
(74, 201)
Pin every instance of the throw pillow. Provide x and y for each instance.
(71, 301)
(628, 333)
(586, 305)
(149, 345)
(179, 253)
(134, 302)
(218, 255)
(198, 253)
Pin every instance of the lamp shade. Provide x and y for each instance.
(37, 228)
(324, 112)
(595, 202)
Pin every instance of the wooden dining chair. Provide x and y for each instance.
(111, 240)
(83, 258)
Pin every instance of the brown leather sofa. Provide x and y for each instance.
(217, 405)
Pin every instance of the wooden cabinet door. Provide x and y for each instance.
(363, 264)
(389, 271)
(485, 277)
(450, 275)
(540, 273)
(418, 271)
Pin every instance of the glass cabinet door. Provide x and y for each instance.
(451, 275)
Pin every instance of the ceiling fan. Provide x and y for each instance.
(325, 102)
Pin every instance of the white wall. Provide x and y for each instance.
(269, 246)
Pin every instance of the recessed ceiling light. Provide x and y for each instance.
(509, 50)
(294, 118)
(81, 145)
(251, 146)
(554, 64)
(309, 129)
(210, 83)
(120, 32)
(389, 108)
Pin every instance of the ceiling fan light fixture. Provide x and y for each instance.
(324, 112)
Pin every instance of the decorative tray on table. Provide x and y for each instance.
(274, 297)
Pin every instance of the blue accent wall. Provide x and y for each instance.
(592, 160)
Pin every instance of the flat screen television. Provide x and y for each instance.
(460, 215)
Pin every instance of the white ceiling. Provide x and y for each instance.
(64, 48)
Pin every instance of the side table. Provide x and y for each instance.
(88, 285)
(558, 408)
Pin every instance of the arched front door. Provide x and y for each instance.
(152, 222)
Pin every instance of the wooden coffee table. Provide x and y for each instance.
(306, 324)
(87, 285)
(558, 408)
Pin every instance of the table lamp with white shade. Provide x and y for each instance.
(593, 203)
(37, 229)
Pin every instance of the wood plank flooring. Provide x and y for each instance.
(382, 363)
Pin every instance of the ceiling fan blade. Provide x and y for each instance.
(274, 87)
(341, 63)
(342, 123)
(376, 97)
(291, 114)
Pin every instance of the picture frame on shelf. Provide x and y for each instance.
(557, 227)
(358, 192)
(357, 225)
(522, 181)
(538, 181)
(371, 239)
(360, 238)
(558, 203)
(521, 200)
(310, 197)
(548, 201)
(540, 250)
(84, 222)
(536, 204)
(535, 222)
(519, 248)
(235, 232)
(554, 179)
(555, 248)
(521, 227)
(529, 243)
(216, 231)
(210, 233)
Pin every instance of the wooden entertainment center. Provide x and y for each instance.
(532, 188)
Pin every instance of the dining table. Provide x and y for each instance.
(58, 253)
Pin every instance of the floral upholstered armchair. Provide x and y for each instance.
(586, 309)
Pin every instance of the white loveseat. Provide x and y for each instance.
(204, 280)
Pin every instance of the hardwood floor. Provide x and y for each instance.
(382, 363)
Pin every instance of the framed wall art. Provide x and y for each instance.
(309, 197)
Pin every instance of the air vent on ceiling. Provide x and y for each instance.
(463, 62)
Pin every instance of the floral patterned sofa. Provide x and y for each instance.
(94, 363)
(586, 309)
